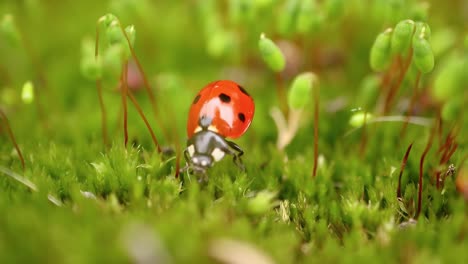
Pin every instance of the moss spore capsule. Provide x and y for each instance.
(359, 119)
(300, 92)
(90, 66)
(402, 36)
(271, 54)
(380, 53)
(422, 31)
(423, 55)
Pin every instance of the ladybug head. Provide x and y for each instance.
(200, 162)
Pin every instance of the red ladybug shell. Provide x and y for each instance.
(229, 107)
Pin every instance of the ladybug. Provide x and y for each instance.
(222, 109)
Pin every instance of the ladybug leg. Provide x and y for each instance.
(187, 156)
(237, 153)
(187, 162)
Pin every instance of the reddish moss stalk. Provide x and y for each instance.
(281, 93)
(142, 115)
(446, 150)
(411, 105)
(12, 137)
(99, 90)
(146, 84)
(124, 89)
(316, 134)
(403, 165)
(394, 88)
(421, 168)
(364, 137)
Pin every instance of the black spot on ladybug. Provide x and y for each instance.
(241, 117)
(196, 99)
(224, 98)
(243, 90)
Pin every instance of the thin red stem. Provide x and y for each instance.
(394, 89)
(142, 115)
(12, 137)
(411, 105)
(146, 84)
(280, 92)
(99, 90)
(124, 89)
(316, 134)
(421, 168)
(364, 137)
(403, 165)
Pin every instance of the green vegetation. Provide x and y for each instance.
(357, 151)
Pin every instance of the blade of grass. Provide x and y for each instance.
(19, 178)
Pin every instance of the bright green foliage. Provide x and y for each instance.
(108, 20)
(271, 54)
(300, 91)
(241, 10)
(114, 33)
(287, 19)
(423, 56)
(310, 17)
(442, 41)
(334, 8)
(450, 81)
(368, 91)
(90, 66)
(422, 31)
(360, 118)
(220, 43)
(453, 108)
(380, 53)
(112, 60)
(9, 31)
(420, 11)
(261, 203)
(27, 92)
(466, 41)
